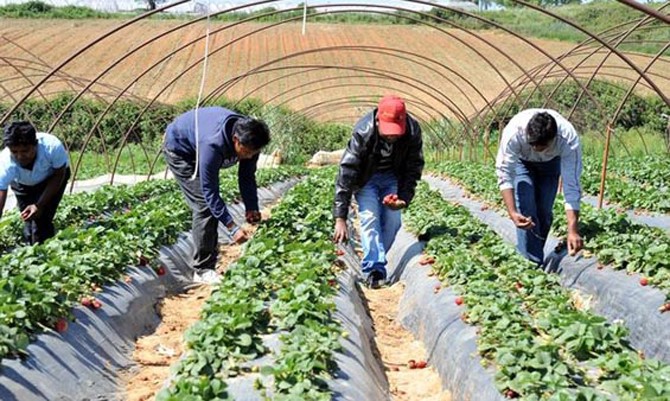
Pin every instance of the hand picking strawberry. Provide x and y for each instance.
(392, 201)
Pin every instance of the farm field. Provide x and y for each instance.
(38, 44)
(112, 308)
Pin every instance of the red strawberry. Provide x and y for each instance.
(411, 364)
(394, 197)
(339, 252)
(518, 286)
(143, 261)
(86, 301)
(459, 301)
(161, 270)
(61, 325)
(426, 260)
(96, 304)
(509, 393)
(644, 281)
(664, 308)
(332, 282)
(421, 364)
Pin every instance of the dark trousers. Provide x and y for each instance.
(204, 224)
(42, 228)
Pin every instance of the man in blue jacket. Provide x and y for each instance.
(224, 138)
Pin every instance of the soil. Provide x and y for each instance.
(397, 346)
(157, 352)
(281, 66)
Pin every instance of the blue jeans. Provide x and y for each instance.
(379, 224)
(535, 188)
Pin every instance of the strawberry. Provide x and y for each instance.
(600, 266)
(332, 282)
(644, 281)
(518, 286)
(459, 301)
(143, 261)
(421, 364)
(509, 393)
(96, 304)
(339, 252)
(426, 260)
(86, 301)
(61, 325)
(664, 308)
(127, 279)
(411, 364)
(161, 270)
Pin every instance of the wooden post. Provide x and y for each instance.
(603, 174)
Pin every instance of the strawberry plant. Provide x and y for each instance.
(611, 236)
(540, 345)
(43, 281)
(282, 283)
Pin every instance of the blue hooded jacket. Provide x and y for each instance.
(216, 151)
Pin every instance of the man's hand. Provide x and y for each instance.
(237, 233)
(30, 212)
(575, 243)
(253, 216)
(240, 236)
(521, 221)
(392, 202)
(341, 233)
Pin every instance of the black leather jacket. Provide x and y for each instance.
(362, 154)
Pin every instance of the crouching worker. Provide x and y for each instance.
(36, 166)
(381, 166)
(537, 147)
(224, 138)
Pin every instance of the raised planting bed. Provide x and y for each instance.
(61, 275)
(286, 321)
(533, 340)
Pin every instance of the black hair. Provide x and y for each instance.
(541, 129)
(20, 133)
(252, 133)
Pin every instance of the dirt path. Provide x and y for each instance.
(155, 353)
(397, 347)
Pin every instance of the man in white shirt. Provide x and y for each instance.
(36, 167)
(536, 148)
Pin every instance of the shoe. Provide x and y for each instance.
(375, 280)
(207, 276)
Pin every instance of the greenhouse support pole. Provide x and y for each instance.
(487, 134)
(603, 174)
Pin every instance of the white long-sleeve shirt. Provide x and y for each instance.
(514, 147)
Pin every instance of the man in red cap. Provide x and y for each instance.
(381, 166)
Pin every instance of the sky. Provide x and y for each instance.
(214, 5)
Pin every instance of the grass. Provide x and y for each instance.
(132, 161)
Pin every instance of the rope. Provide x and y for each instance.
(200, 90)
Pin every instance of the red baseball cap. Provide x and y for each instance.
(392, 116)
